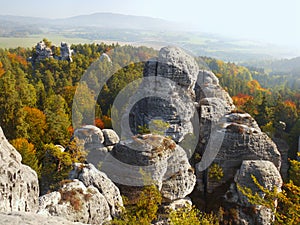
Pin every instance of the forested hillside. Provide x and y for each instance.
(36, 99)
(274, 107)
(284, 73)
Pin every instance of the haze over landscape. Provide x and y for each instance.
(270, 25)
(271, 21)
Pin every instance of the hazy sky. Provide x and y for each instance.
(274, 21)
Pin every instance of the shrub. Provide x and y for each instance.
(144, 211)
(191, 216)
(215, 172)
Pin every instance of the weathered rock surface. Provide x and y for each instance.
(96, 142)
(91, 135)
(19, 189)
(178, 204)
(242, 140)
(208, 91)
(90, 176)
(151, 158)
(268, 176)
(66, 52)
(110, 137)
(179, 179)
(171, 93)
(283, 148)
(26, 218)
(265, 172)
(213, 103)
(175, 64)
(42, 51)
(76, 202)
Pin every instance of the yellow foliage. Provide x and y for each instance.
(19, 143)
(2, 71)
(285, 204)
(191, 216)
(28, 153)
(215, 172)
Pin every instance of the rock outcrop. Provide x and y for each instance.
(26, 218)
(170, 80)
(76, 202)
(110, 137)
(96, 142)
(19, 189)
(90, 176)
(268, 176)
(88, 197)
(151, 158)
(42, 51)
(92, 136)
(65, 52)
(242, 140)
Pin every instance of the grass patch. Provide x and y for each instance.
(32, 40)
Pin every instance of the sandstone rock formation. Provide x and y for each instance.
(170, 80)
(96, 142)
(151, 158)
(242, 140)
(90, 176)
(26, 218)
(89, 197)
(283, 148)
(19, 189)
(42, 51)
(110, 137)
(225, 137)
(268, 176)
(66, 52)
(91, 135)
(76, 202)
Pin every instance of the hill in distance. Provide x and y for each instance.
(136, 30)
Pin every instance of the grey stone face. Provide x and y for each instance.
(243, 140)
(90, 176)
(266, 174)
(174, 97)
(148, 159)
(42, 51)
(76, 202)
(26, 218)
(66, 51)
(96, 142)
(19, 189)
(110, 137)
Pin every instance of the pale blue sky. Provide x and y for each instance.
(273, 21)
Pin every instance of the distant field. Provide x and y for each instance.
(28, 42)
